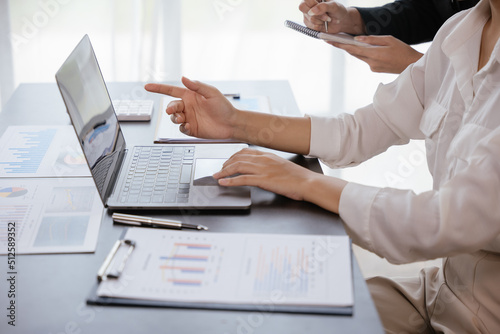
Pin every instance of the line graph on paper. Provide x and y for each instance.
(283, 269)
(290, 266)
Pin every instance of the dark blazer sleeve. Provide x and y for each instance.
(412, 21)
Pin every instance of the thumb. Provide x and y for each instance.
(373, 40)
(200, 88)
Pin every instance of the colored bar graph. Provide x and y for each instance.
(185, 257)
(184, 269)
(185, 282)
(12, 213)
(194, 246)
(186, 265)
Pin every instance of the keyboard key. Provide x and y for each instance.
(186, 174)
(157, 199)
(169, 198)
(145, 199)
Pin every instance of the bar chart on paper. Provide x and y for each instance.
(38, 151)
(29, 152)
(188, 265)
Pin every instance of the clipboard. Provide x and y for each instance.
(121, 259)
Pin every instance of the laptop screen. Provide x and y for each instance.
(91, 111)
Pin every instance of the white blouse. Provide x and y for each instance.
(445, 100)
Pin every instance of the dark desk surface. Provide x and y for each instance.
(52, 289)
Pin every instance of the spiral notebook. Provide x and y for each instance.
(339, 38)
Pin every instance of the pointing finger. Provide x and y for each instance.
(165, 89)
(200, 88)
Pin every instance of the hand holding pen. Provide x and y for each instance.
(332, 16)
(326, 22)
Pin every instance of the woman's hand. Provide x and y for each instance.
(387, 55)
(202, 112)
(339, 17)
(273, 173)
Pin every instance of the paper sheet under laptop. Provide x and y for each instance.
(168, 132)
(232, 268)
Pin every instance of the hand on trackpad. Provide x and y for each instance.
(204, 169)
(205, 181)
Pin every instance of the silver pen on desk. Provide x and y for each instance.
(134, 220)
(235, 96)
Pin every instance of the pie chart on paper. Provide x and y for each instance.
(12, 192)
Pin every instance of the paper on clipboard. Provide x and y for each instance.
(168, 132)
(306, 273)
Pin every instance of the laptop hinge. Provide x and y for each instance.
(114, 177)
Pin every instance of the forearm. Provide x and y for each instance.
(290, 134)
(324, 191)
(355, 24)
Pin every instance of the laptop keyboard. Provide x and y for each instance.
(159, 175)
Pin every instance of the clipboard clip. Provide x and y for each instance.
(105, 272)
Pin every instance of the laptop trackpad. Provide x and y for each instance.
(204, 169)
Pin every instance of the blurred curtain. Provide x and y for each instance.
(152, 38)
(6, 64)
(134, 40)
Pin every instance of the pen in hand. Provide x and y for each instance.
(326, 22)
(153, 222)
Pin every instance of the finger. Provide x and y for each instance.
(354, 50)
(175, 107)
(310, 3)
(200, 88)
(235, 168)
(165, 89)
(315, 24)
(240, 180)
(319, 20)
(184, 128)
(178, 118)
(242, 155)
(318, 9)
(304, 7)
(374, 40)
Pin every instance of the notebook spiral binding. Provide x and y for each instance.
(302, 29)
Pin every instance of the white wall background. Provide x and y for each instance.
(155, 40)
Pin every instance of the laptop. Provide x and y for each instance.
(142, 177)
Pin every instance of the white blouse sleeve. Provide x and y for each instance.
(462, 216)
(392, 119)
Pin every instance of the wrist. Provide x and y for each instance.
(356, 24)
(238, 124)
(324, 191)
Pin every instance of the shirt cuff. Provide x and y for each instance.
(355, 209)
(325, 137)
